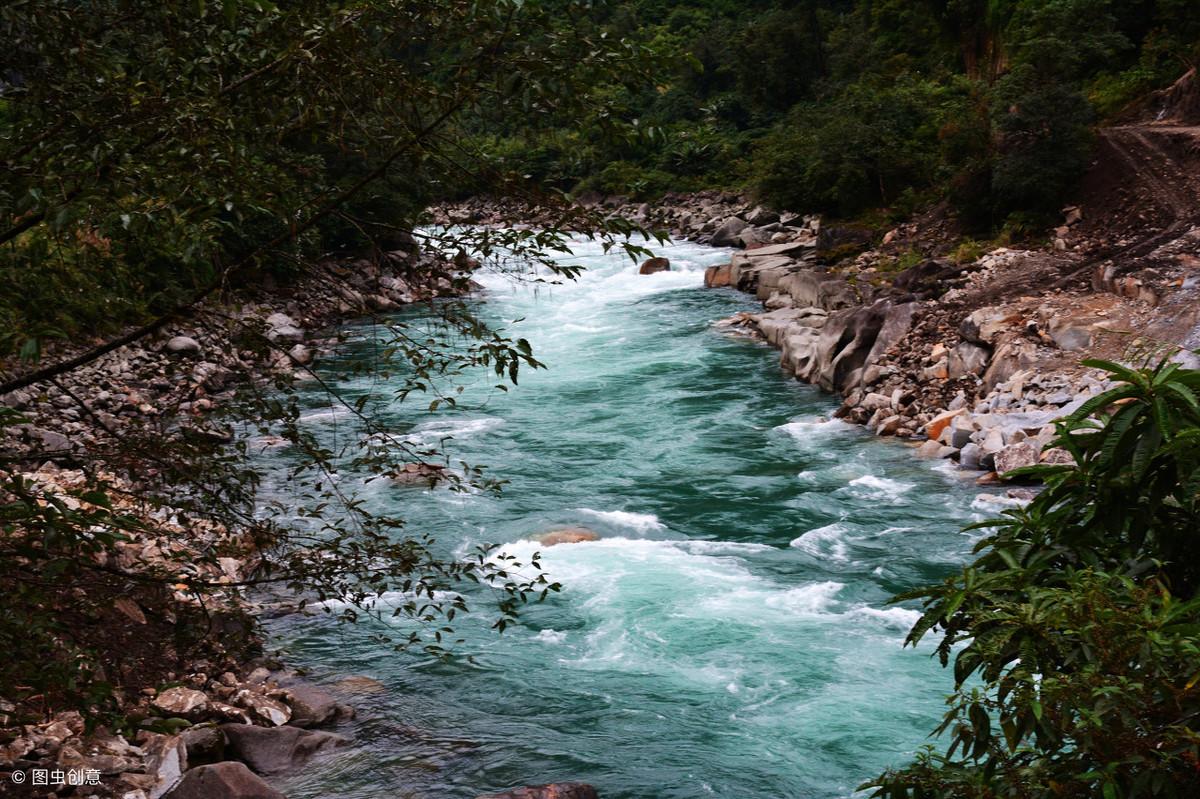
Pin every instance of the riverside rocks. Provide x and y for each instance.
(270, 751)
(161, 387)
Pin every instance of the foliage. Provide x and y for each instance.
(166, 160)
(1074, 635)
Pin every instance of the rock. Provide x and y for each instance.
(1016, 456)
(180, 701)
(1014, 354)
(726, 235)
(51, 441)
(760, 216)
(269, 710)
(428, 474)
(718, 276)
(301, 354)
(204, 744)
(986, 325)
(559, 790)
(358, 685)
(940, 422)
(311, 706)
(968, 359)
(226, 780)
(1058, 456)
(166, 761)
(570, 535)
(276, 750)
(855, 338)
(654, 266)
(1072, 335)
(970, 456)
(183, 345)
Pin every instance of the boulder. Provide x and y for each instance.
(276, 750)
(718, 276)
(761, 216)
(226, 780)
(986, 325)
(311, 706)
(1016, 456)
(569, 535)
(970, 456)
(726, 235)
(968, 359)
(204, 744)
(940, 422)
(269, 710)
(558, 790)
(301, 354)
(183, 345)
(181, 701)
(654, 266)
(818, 289)
(1013, 354)
(428, 474)
(854, 338)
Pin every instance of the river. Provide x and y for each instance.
(728, 636)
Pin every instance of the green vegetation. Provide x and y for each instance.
(1075, 637)
(841, 106)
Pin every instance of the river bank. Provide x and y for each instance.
(212, 713)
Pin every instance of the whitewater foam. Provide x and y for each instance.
(641, 522)
(871, 487)
(824, 542)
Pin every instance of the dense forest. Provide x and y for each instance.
(841, 107)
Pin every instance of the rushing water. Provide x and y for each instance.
(729, 635)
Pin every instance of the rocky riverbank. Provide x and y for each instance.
(211, 717)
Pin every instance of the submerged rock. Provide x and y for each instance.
(275, 750)
(569, 535)
(558, 790)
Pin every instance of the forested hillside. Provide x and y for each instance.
(846, 105)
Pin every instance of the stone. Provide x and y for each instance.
(986, 325)
(655, 265)
(558, 790)
(718, 276)
(359, 685)
(311, 706)
(873, 401)
(939, 423)
(269, 710)
(277, 750)
(760, 216)
(226, 780)
(726, 235)
(1058, 456)
(204, 744)
(970, 456)
(570, 535)
(1016, 456)
(166, 761)
(427, 474)
(968, 359)
(301, 354)
(1012, 355)
(183, 345)
(180, 701)
(289, 334)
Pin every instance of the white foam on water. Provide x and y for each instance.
(641, 522)
(824, 542)
(428, 433)
(807, 430)
(871, 487)
(551, 636)
(893, 618)
(700, 547)
(330, 414)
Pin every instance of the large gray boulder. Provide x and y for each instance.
(727, 234)
(226, 780)
(312, 706)
(856, 337)
(276, 750)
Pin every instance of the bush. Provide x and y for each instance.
(1075, 635)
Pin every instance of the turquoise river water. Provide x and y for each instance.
(729, 634)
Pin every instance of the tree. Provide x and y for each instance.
(161, 156)
(1075, 634)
